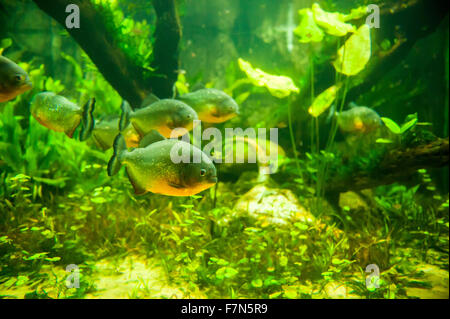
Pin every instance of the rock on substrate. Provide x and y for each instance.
(272, 206)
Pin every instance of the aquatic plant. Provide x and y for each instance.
(331, 22)
(323, 101)
(278, 85)
(133, 37)
(395, 128)
(307, 30)
(313, 20)
(355, 53)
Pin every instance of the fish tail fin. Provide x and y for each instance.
(332, 113)
(88, 119)
(120, 147)
(125, 117)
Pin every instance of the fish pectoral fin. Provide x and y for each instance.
(70, 132)
(100, 143)
(175, 185)
(152, 137)
(138, 130)
(138, 190)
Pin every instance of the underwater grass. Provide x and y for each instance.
(243, 258)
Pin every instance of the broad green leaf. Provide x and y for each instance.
(53, 85)
(290, 292)
(4, 44)
(98, 200)
(86, 208)
(242, 97)
(181, 84)
(331, 22)
(355, 14)
(257, 283)
(226, 272)
(275, 295)
(278, 85)
(57, 182)
(383, 141)
(307, 30)
(406, 126)
(35, 256)
(21, 280)
(323, 101)
(355, 53)
(391, 125)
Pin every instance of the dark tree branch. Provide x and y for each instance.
(165, 54)
(127, 78)
(397, 165)
(406, 21)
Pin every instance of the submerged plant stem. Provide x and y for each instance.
(291, 132)
(322, 173)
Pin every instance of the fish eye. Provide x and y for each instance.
(189, 116)
(18, 77)
(202, 172)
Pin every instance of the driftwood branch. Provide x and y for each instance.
(127, 78)
(397, 165)
(407, 22)
(165, 54)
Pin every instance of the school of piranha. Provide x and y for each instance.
(143, 138)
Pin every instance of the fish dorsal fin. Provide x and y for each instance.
(352, 105)
(149, 99)
(198, 86)
(152, 137)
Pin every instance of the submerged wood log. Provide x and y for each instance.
(396, 166)
(127, 78)
(165, 53)
(407, 22)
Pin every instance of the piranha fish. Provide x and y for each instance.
(163, 115)
(13, 80)
(106, 130)
(211, 105)
(57, 113)
(233, 162)
(151, 168)
(358, 119)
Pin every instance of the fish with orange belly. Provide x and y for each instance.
(164, 116)
(58, 114)
(358, 120)
(13, 80)
(152, 168)
(211, 105)
(106, 130)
